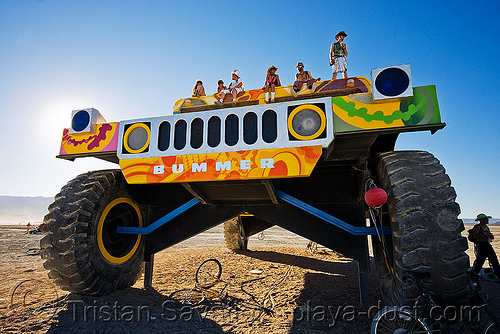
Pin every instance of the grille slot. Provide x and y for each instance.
(196, 133)
(164, 136)
(232, 131)
(180, 134)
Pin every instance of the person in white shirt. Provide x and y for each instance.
(235, 87)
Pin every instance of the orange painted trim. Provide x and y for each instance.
(240, 165)
(105, 139)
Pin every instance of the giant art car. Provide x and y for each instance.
(303, 163)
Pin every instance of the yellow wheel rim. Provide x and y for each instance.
(101, 229)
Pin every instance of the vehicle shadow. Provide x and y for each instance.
(304, 262)
(129, 311)
(329, 301)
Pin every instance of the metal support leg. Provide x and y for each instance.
(364, 277)
(148, 272)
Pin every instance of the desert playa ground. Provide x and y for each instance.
(302, 292)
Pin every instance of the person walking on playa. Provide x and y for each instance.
(483, 238)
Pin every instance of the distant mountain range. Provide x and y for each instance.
(21, 210)
(493, 221)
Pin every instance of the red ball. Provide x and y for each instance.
(376, 197)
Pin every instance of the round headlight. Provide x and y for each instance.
(392, 81)
(80, 120)
(136, 138)
(306, 122)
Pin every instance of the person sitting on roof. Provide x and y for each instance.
(303, 77)
(220, 86)
(198, 89)
(235, 87)
(272, 81)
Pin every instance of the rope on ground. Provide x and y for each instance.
(268, 297)
(54, 306)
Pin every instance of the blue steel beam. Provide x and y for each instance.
(160, 222)
(355, 230)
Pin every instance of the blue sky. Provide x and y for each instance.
(131, 59)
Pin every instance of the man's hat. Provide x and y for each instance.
(482, 216)
(342, 33)
(236, 72)
(299, 64)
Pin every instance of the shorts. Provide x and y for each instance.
(227, 91)
(339, 65)
(297, 85)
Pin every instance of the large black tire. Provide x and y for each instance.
(80, 246)
(426, 231)
(235, 234)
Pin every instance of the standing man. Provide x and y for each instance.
(235, 87)
(303, 77)
(483, 238)
(338, 54)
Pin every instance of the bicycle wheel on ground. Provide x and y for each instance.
(398, 320)
(190, 297)
(492, 328)
(209, 272)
